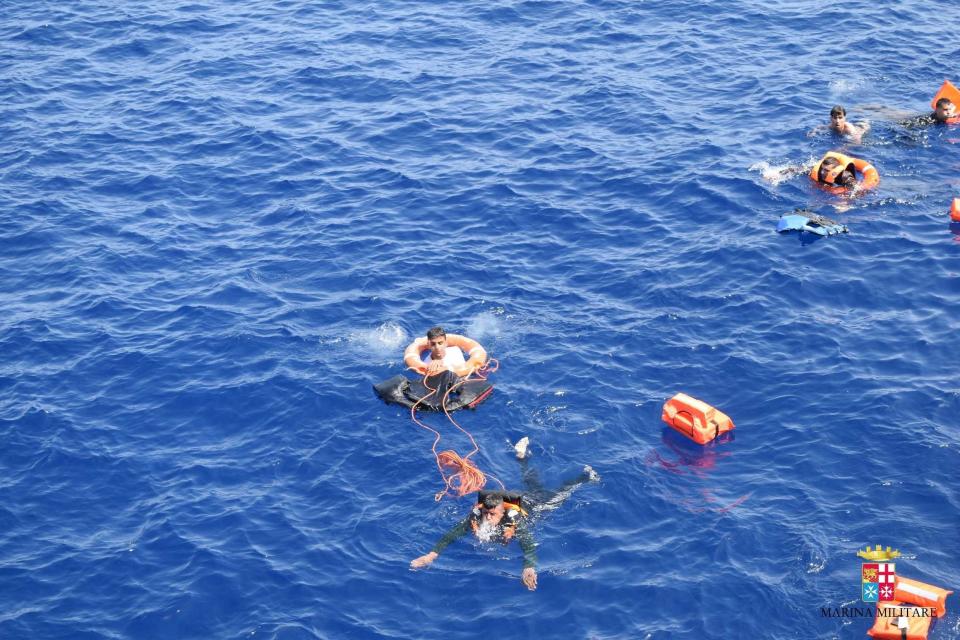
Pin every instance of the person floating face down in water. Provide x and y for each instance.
(502, 517)
(446, 354)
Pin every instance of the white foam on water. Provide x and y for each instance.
(388, 338)
(846, 86)
(778, 173)
(485, 325)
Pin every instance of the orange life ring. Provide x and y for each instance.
(476, 353)
(695, 419)
(921, 594)
(869, 176)
(890, 616)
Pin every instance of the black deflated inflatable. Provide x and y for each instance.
(401, 390)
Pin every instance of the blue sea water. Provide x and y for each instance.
(222, 222)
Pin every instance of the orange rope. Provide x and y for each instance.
(491, 365)
(466, 477)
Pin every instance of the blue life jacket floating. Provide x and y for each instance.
(806, 220)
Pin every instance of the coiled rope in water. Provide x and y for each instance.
(460, 475)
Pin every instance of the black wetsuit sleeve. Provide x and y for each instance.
(527, 545)
(450, 536)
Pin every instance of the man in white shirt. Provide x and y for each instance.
(439, 352)
(442, 356)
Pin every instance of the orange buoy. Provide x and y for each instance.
(695, 419)
(896, 621)
(955, 210)
(921, 594)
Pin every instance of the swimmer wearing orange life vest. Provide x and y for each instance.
(839, 173)
(446, 354)
(944, 104)
(502, 516)
(945, 112)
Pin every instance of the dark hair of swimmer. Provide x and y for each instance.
(826, 167)
(435, 332)
(491, 500)
(848, 178)
(945, 111)
(838, 110)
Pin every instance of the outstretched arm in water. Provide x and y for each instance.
(454, 534)
(529, 548)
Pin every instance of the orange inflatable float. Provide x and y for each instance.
(955, 210)
(951, 93)
(922, 595)
(897, 621)
(413, 354)
(695, 419)
(868, 178)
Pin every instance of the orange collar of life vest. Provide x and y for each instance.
(845, 163)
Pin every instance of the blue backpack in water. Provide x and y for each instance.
(806, 220)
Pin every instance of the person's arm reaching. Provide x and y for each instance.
(529, 548)
(411, 355)
(454, 534)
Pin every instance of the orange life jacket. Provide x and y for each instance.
(869, 178)
(951, 93)
(922, 594)
(890, 625)
(695, 418)
(508, 525)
